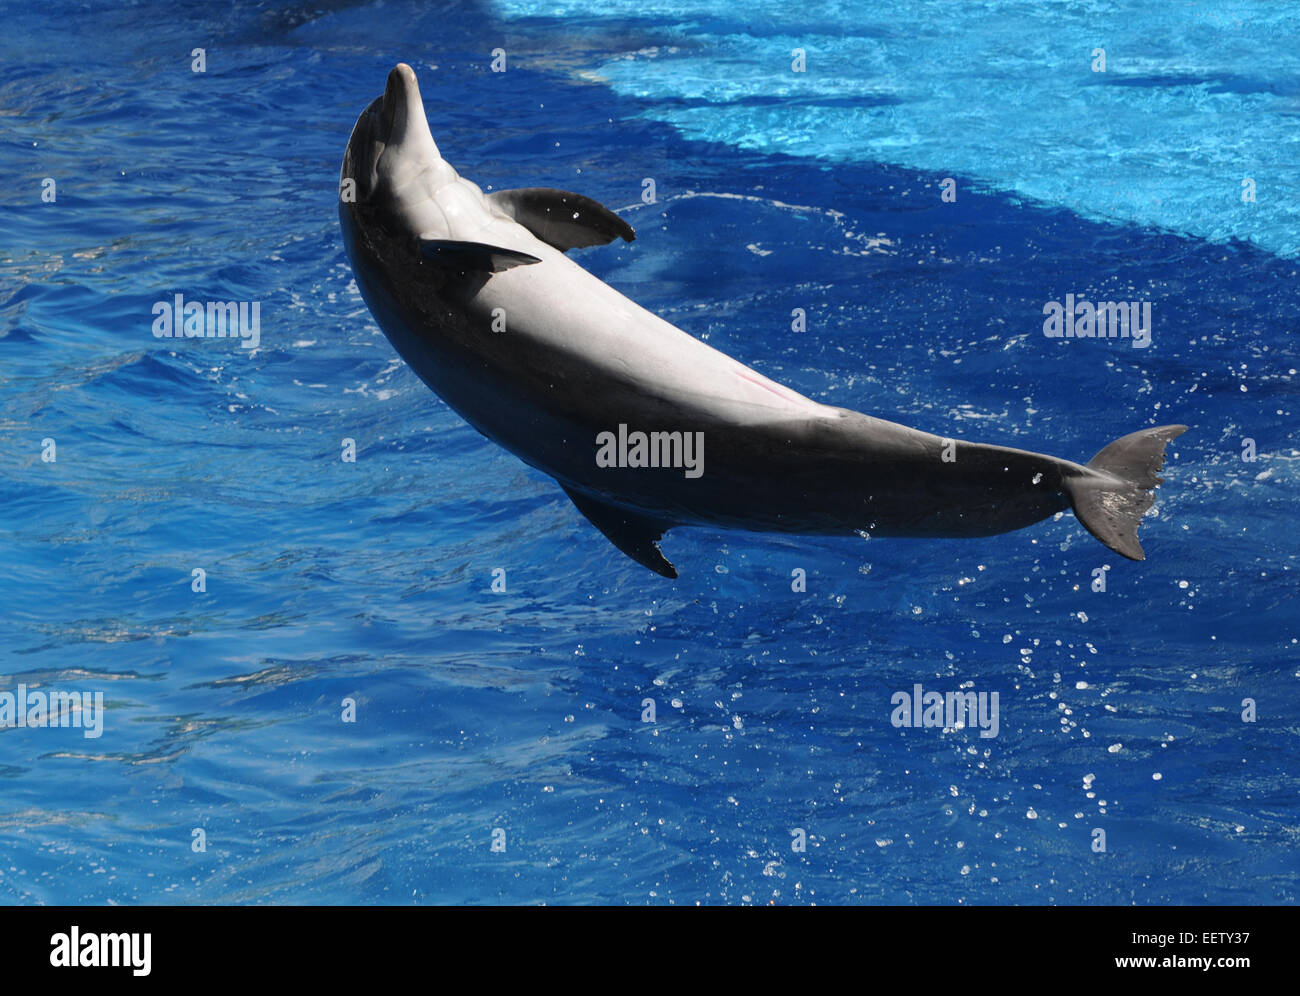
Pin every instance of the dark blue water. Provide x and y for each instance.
(521, 711)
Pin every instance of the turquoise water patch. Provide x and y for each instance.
(1010, 96)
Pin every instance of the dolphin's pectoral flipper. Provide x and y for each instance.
(1111, 502)
(473, 256)
(635, 534)
(562, 219)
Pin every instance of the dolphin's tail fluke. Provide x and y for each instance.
(1111, 501)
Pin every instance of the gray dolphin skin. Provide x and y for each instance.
(642, 425)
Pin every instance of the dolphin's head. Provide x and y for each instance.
(391, 155)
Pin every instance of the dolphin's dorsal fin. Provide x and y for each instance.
(562, 219)
(473, 256)
(635, 534)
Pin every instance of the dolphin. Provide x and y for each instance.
(643, 426)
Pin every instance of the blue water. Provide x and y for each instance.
(521, 711)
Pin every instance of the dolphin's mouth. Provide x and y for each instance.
(391, 144)
(386, 117)
(401, 105)
(391, 105)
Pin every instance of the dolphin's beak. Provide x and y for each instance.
(402, 120)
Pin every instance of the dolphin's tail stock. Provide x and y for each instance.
(1111, 501)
